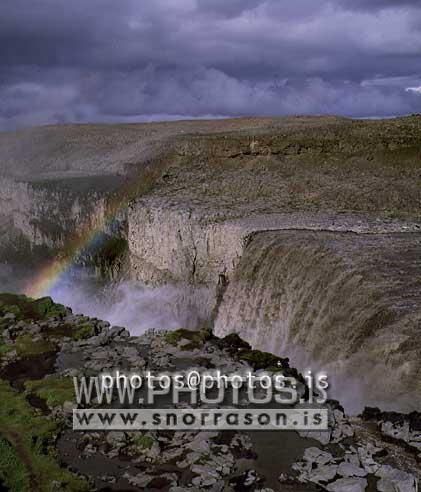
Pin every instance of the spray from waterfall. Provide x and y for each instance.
(130, 304)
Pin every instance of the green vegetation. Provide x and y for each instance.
(55, 391)
(4, 349)
(26, 308)
(11, 309)
(234, 341)
(26, 346)
(197, 338)
(143, 441)
(173, 337)
(46, 308)
(263, 360)
(12, 471)
(27, 459)
(82, 332)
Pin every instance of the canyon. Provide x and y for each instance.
(302, 235)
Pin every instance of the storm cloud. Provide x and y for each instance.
(133, 60)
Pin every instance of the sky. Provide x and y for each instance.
(73, 61)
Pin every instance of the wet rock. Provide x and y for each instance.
(366, 455)
(116, 439)
(241, 441)
(246, 481)
(207, 475)
(348, 485)
(316, 455)
(397, 430)
(397, 426)
(317, 466)
(323, 437)
(141, 480)
(340, 425)
(108, 478)
(89, 450)
(68, 407)
(183, 489)
(394, 480)
(118, 331)
(347, 469)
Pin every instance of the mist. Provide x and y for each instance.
(126, 303)
(139, 307)
(133, 305)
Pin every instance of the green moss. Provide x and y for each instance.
(145, 442)
(31, 438)
(26, 308)
(197, 338)
(173, 337)
(263, 360)
(234, 341)
(53, 390)
(4, 349)
(190, 346)
(46, 308)
(203, 335)
(27, 347)
(83, 332)
(12, 471)
(11, 308)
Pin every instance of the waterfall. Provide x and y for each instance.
(347, 303)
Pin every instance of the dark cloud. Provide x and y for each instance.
(377, 4)
(104, 60)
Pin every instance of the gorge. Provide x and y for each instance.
(300, 234)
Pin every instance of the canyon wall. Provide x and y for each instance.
(47, 213)
(42, 219)
(171, 244)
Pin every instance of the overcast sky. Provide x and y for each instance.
(136, 60)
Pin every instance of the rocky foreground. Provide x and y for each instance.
(43, 345)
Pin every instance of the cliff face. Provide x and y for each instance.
(42, 219)
(175, 245)
(168, 244)
(49, 213)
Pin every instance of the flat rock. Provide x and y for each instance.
(348, 485)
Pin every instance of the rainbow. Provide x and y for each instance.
(132, 187)
(56, 268)
(50, 274)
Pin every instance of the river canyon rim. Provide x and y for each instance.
(204, 204)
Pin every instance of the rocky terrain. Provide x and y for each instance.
(43, 345)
